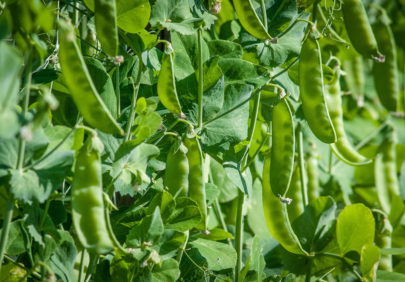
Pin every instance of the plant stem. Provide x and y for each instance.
(218, 212)
(111, 231)
(239, 233)
(134, 98)
(181, 251)
(332, 255)
(47, 204)
(81, 269)
(117, 89)
(20, 162)
(303, 172)
(200, 80)
(264, 14)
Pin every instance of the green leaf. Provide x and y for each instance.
(257, 262)
(10, 70)
(103, 83)
(217, 234)
(225, 48)
(146, 123)
(218, 255)
(238, 70)
(370, 256)
(255, 213)
(228, 190)
(25, 186)
(17, 239)
(167, 271)
(355, 228)
(243, 180)
(388, 276)
(165, 12)
(393, 251)
(186, 215)
(231, 128)
(133, 16)
(149, 230)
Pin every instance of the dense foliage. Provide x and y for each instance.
(190, 140)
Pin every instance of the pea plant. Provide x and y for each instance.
(191, 140)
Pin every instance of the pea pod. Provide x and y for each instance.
(385, 74)
(87, 200)
(312, 91)
(166, 85)
(276, 216)
(313, 176)
(177, 170)
(359, 29)
(342, 147)
(249, 19)
(81, 86)
(296, 207)
(283, 147)
(106, 25)
(383, 240)
(196, 187)
(354, 78)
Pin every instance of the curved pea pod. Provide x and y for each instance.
(313, 176)
(383, 240)
(81, 86)
(385, 74)
(359, 29)
(342, 147)
(106, 25)
(312, 91)
(166, 85)
(196, 186)
(283, 147)
(177, 170)
(249, 19)
(87, 200)
(276, 216)
(296, 207)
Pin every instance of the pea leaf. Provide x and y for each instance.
(25, 186)
(186, 215)
(255, 213)
(133, 16)
(225, 48)
(388, 276)
(370, 256)
(214, 252)
(355, 228)
(167, 271)
(228, 190)
(170, 14)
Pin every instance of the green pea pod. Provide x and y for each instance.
(359, 29)
(313, 176)
(354, 78)
(296, 207)
(177, 170)
(312, 91)
(81, 86)
(342, 147)
(283, 147)
(277, 216)
(106, 25)
(385, 74)
(87, 200)
(196, 187)
(249, 19)
(166, 85)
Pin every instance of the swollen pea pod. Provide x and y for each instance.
(249, 19)
(177, 170)
(276, 215)
(312, 91)
(296, 207)
(359, 30)
(385, 170)
(166, 85)
(283, 147)
(342, 147)
(87, 199)
(385, 74)
(79, 82)
(106, 25)
(196, 186)
(313, 175)
(383, 240)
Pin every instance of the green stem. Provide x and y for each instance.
(200, 80)
(6, 227)
(47, 204)
(181, 251)
(303, 174)
(332, 255)
(134, 98)
(309, 268)
(239, 233)
(111, 232)
(284, 70)
(251, 160)
(264, 14)
(331, 30)
(330, 161)
(117, 89)
(81, 269)
(218, 212)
